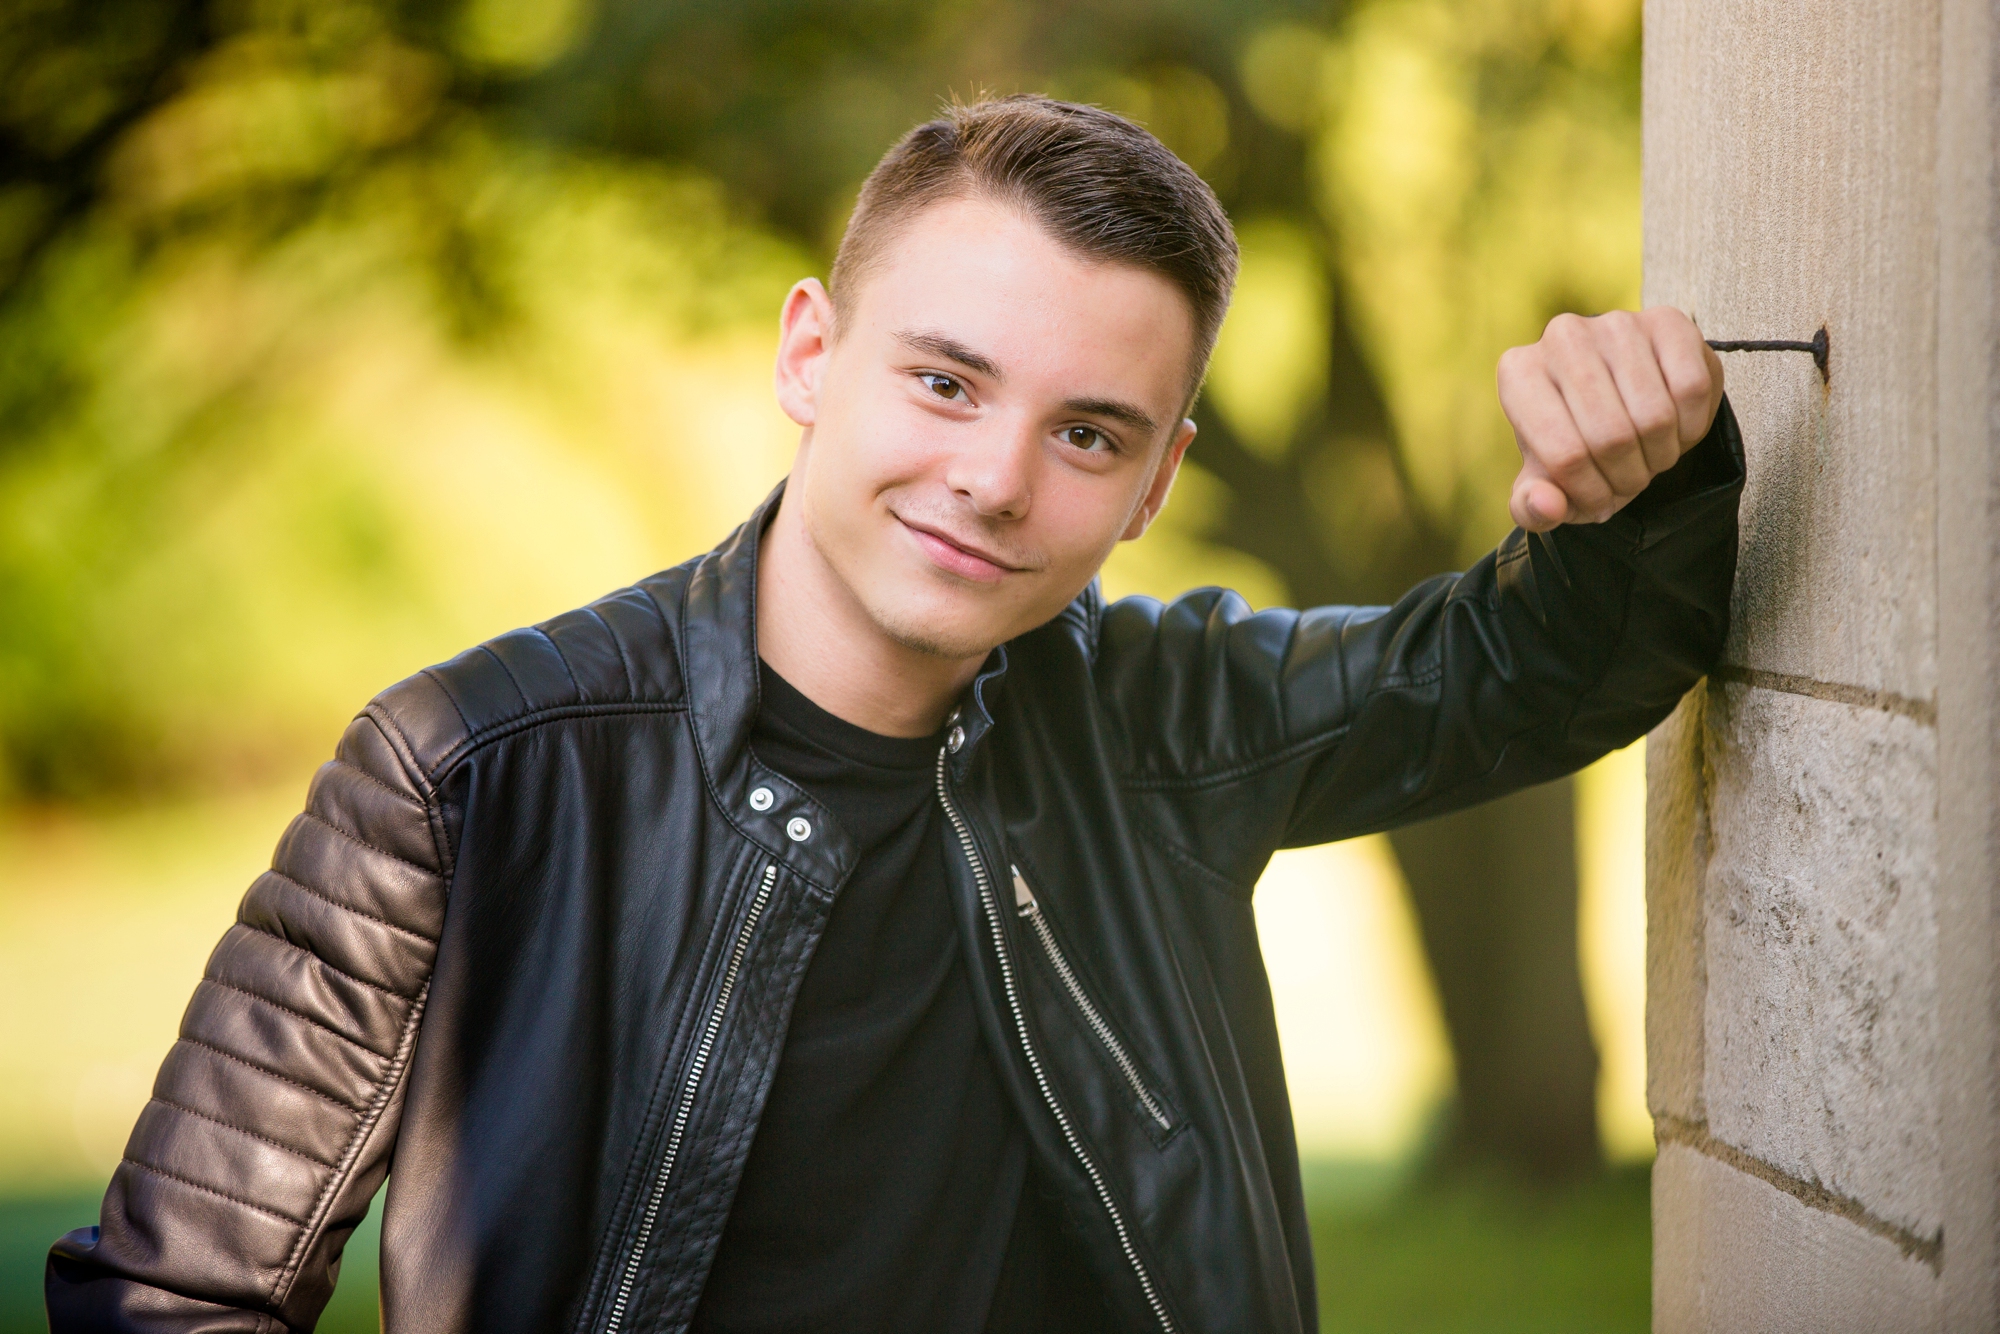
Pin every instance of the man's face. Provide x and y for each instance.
(995, 414)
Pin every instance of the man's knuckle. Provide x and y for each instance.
(1662, 317)
(1688, 384)
(1656, 418)
(1567, 460)
(1606, 441)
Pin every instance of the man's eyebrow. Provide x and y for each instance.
(1136, 418)
(943, 345)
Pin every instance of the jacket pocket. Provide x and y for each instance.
(1151, 1105)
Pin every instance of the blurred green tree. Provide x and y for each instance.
(205, 204)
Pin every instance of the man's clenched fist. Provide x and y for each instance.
(1602, 406)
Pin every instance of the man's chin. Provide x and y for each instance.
(934, 627)
(940, 641)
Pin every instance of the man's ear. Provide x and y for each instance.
(1162, 483)
(805, 337)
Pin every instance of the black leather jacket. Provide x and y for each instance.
(535, 938)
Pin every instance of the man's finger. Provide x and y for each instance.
(1635, 367)
(1597, 423)
(1551, 447)
(1577, 365)
(1692, 371)
(1537, 504)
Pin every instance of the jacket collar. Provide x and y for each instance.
(718, 632)
(718, 647)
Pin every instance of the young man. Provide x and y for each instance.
(850, 929)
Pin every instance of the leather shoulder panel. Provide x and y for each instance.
(617, 652)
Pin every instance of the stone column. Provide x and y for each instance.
(1823, 824)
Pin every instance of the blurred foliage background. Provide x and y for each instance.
(336, 335)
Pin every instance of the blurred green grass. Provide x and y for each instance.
(1456, 1256)
(1485, 1255)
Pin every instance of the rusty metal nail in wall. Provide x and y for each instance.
(1817, 345)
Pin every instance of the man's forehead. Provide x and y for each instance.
(985, 285)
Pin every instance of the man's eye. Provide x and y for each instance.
(942, 385)
(1086, 438)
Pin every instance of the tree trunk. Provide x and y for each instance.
(1495, 892)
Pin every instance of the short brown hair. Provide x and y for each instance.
(1101, 185)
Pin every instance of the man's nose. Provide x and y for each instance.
(994, 468)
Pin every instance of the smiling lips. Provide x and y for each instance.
(955, 557)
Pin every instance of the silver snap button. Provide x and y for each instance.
(799, 830)
(954, 739)
(761, 799)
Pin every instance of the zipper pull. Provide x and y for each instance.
(1024, 898)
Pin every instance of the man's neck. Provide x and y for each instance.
(814, 633)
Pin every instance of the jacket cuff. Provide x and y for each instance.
(82, 1297)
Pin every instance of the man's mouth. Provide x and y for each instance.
(957, 556)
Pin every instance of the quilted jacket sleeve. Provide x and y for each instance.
(272, 1117)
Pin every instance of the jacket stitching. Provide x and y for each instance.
(438, 681)
(624, 663)
(210, 1190)
(660, 610)
(385, 723)
(251, 1134)
(1217, 777)
(296, 1014)
(429, 871)
(391, 1078)
(500, 731)
(406, 798)
(265, 1070)
(507, 672)
(575, 685)
(375, 987)
(384, 1090)
(366, 916)
(1247, 768)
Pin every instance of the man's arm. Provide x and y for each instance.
(272, 1118)
(1564, 643)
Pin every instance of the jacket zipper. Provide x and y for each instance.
(991, 903)
(685, 1106)
(1025, 904)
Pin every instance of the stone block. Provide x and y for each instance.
(1790, 183)
(1732, 1253)
(1820, 939)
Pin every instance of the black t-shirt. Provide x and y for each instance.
(885, 1188)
